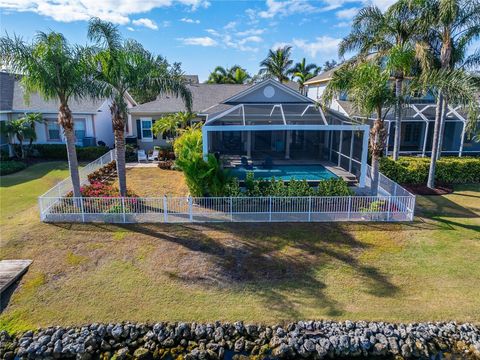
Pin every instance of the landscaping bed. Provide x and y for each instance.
(302, 339)
(11, 166)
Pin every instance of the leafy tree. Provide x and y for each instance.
(277, 64)
(303, 72)
(172, 125)
(17, 129)
(118, 66)
(56, 70)
(367, 85)
(30, 120)
(389, 35)
(329, 65)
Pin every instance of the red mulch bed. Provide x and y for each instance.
(421, 189)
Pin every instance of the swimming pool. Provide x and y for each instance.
(286, 172)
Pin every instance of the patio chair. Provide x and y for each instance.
(154, 156)
(244, 162)
(141, 156)
(268, 163)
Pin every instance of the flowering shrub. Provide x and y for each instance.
(98, 189)
(103, 173)
(166, 165)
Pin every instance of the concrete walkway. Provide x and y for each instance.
(11, 271)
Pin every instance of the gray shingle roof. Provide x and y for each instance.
(327, 75)
(15, 101)
(204, 96)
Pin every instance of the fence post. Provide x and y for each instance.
(349, 206)
(165, 210)
(123, 210)
(40, 206)
(309, 208)
(231, 208)
(82, 209)
(388, 208)
(270, 209)
(190, 208)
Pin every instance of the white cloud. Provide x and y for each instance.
(279, 45)
(116, 11)
(190, 21)
(285, 8)
(348, 13)
(324, 45)
(212, 32)
(250, 32)
(255, 39)
(148, 23)
(231, 25)
(343, 24)
(199, 41)
(130, 28)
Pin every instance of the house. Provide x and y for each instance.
(274, 130)
(417, 124)
(92, 118)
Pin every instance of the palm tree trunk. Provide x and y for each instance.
(121, 172)
(22, 150)
(398, 118)
(66, 121)
(442, 128)
(377, 140)
(436, 133)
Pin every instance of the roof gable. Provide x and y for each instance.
(268, 91)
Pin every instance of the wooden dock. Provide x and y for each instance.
(11, 271)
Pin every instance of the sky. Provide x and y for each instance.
(200, 34)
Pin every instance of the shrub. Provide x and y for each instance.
(59, 152)
(165, 165)
(449, 170)
(130, 153)
(103, 173)
(11, 166)
(98, 189)
(258, 188)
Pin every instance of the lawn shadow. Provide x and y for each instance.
(7, 294)
(32, 172)
(434, 206)
(276, 261)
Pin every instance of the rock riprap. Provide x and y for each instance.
(298, 340)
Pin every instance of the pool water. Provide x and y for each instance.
(286, 172)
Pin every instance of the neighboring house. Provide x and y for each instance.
(417, 126)
(92, 118)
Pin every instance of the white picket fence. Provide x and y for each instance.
(393, 203)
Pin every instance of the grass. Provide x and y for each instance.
(425, 270)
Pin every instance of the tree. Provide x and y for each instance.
(367, 85)
(277, 64)
(233, 75)
(118, 66)
(329, 65)
(19, 129)
(30, 120)
(303, 72)
(172, 125)
(453, 26)
(461, 89)
(389, 35)
(56, 70)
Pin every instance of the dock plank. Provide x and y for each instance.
(11, 271)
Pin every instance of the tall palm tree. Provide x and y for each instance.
(119, 65)
(453, 26)
(392, 35)
(218, 76)
(303, 72)
(233, 75)
(277, 64)
(55, 69)
(367, 85)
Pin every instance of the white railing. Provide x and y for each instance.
(393, 203)
(227, 209)
(65, 186)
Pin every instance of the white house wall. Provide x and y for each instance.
(103, 125)
(315, 92)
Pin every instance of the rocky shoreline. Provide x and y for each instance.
(303, 339)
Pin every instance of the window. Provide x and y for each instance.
(53, 130)
(79, 129)
(147, 129)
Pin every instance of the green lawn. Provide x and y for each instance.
(425, 270)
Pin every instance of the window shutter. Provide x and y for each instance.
(153, 122)
(139, 129)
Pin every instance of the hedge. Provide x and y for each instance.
(59, 152)
(449, 170)
(10, 167)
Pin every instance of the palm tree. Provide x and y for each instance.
(172, 125)
(367, 85)
(392, 35)
(277, 64)
(329, 65)
(17, 129)
(54, 69)
(233, 75)
(30, 120)
(303, 72)
(453, 26)
(119, 65)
